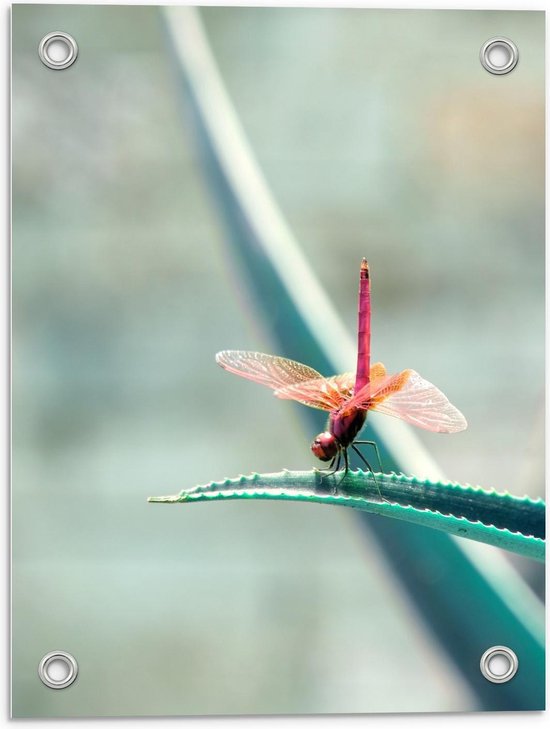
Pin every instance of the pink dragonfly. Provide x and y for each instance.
(348, 397)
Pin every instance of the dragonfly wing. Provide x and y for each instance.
(327, 393)
(324, 393)
(411, 398)
(268, 370)
(376, 390)
(420, 403)
(377, 371)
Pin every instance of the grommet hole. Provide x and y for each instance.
(499, 55)
(58, 669)
(57, 51)
(499, 664)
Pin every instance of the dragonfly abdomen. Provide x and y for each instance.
(363, 329)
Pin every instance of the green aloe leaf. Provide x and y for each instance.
(463, 511)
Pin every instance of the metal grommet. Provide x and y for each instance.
(499, 55)
(494, 656)
(58, 50)
(61, 675)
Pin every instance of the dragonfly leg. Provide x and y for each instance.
(337, 458)
(362, 457)
(373, 444)
(343, 452)
(331, 469)
(324, 470)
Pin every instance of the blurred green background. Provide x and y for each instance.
(380, 134)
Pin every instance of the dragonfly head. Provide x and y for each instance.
(325, 446)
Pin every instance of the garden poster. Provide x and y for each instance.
(278, 361)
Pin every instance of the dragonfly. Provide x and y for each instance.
(350, 396)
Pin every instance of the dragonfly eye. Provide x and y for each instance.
(325, 447)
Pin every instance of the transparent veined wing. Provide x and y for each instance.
(411, 398)
(324, 393)
(327, 393)
(378, 389)
(377, 371)
(266, 369)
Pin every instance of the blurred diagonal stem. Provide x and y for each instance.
(477, 599)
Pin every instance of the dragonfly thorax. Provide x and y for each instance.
(345, 428)
(325, 446)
